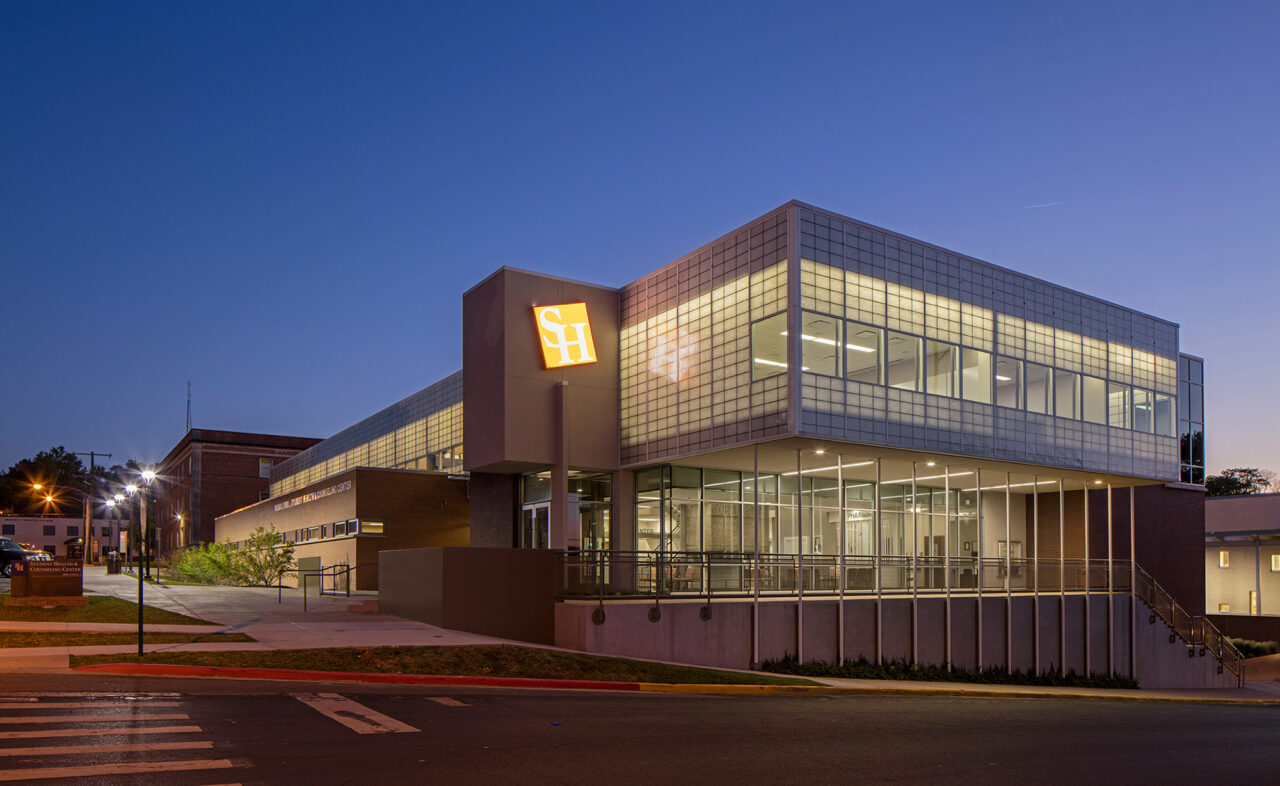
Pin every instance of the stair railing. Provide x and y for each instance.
(1194, 631)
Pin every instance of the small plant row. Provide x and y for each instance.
(1249, 648)
(902, 670)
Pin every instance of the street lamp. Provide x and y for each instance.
(147, 477)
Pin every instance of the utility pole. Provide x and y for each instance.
(88, 505)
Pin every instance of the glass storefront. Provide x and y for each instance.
(590, 510)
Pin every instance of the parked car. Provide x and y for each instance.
(10, 552)
(38, 556)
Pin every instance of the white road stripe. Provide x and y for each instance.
(447, 701)
(95, 718)
(115, 732)
(119, 768)
(57, 750)
(26, 695)
(353, 715)
(76, 705)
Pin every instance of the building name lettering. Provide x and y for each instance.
(312, 496)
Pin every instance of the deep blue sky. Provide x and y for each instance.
(283, 202)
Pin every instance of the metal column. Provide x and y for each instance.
(1133, 587)
(1088, 602)
(915, 572)
(842, 542)
(1062, 578)
(755, 584)
(1008, 573)
(1035, 573)
(1111, 590)
(879, 580)
(799, 559)
(946, 553)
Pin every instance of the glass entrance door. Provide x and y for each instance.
(535, 526)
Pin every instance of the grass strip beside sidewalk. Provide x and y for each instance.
(501, 660)
(100, 609)
(11, 639)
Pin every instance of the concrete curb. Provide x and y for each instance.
(299, 675)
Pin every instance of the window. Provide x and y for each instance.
(1224, 559)
(1039, 389)
(820, 344)
(1164, 415)
(1253, 601)
(975, 375)
(324, 530)
(264, 467)
(1143, 411)
(1224, 608)
(1009, 382)
(73, 531)
(1093, 400)
(1275, 563)
(940, 368)
(768, 346)
(264, 494)
(371, 527)
(6, 529)
(50, 531)
(902, 361)
(353, 526)
(1118, 405)
(863, 347)
(1066, 394)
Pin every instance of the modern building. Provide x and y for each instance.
(57, 535)
(815, 437)
(209, 473)
(1242, 564)
(389, 482)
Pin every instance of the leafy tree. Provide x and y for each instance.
(264, 558)
(1240, 480)
(58, 471)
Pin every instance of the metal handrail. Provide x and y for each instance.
(1195, 631)
(645, 574)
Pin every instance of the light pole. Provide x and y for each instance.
(147, 476)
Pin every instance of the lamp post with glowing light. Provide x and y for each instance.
(147, 477)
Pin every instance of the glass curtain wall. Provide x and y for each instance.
(923, 527)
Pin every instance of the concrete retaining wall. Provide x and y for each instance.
(684, 633)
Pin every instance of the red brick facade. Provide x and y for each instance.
(211, 473)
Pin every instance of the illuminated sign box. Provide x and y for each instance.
(565, 334)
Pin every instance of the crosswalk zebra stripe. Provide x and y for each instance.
(118, 768)
(115, 732)
(79, 705)
(94, 718)
(57, 750)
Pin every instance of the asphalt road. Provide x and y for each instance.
(225, 731)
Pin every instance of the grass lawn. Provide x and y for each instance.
(72, 639)
(502, 660)
(100, 609)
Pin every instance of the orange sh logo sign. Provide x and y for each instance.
(566, 334)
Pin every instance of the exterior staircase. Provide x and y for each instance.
(1199, 634)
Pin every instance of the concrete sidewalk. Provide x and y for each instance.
(278, 620)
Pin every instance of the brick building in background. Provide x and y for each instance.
(210, 473)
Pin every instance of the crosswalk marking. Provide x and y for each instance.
(127, 727)
(353, 715)
(113, 732)
(448, 702)
(95, 718)
(57, 750)
(79, 705)
(118, 768)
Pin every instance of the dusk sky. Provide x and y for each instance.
(284, 202)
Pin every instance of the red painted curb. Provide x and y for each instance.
(299, 675)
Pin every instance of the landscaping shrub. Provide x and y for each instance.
(261, 561)
(901, 670)
(1254, 649)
